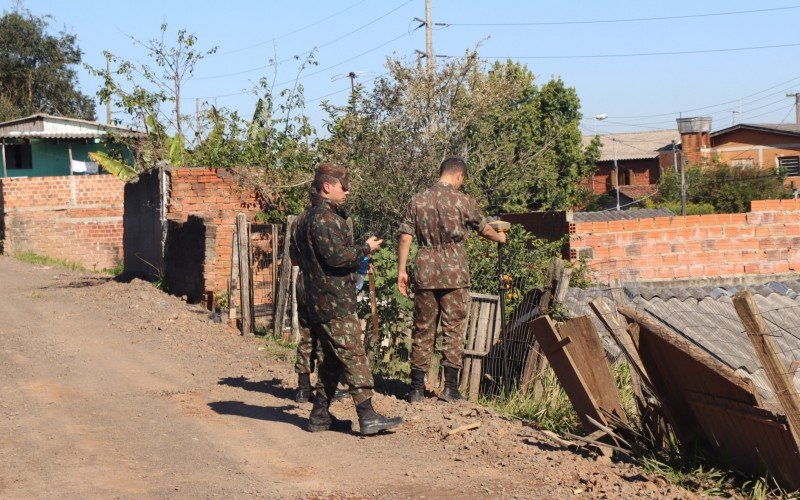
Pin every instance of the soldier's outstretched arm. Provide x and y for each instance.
(332, 243)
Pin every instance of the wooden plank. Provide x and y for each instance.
(565, 368)
(472, 323)
(274, 265)
(480, 344)
(767, 353)
(243, 245)
(562, 285)
(285, 274)
(622, 337)
(590, 360)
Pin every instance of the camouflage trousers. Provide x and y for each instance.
(429, 306)
(306, 346)
(341, 353)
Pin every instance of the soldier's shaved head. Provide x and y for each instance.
(453, 165)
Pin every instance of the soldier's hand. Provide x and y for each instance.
(374, 244)
(402, 283)
(502, 238)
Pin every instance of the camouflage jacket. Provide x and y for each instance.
(440, 218)
(323, 244)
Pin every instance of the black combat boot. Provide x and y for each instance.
(417, 392)
(372, 422)
(321, 419)
(450, 392)
(303, 393)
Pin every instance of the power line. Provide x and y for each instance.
(295, 57)
(315, 23)
(647, 54)
(718, 104)
(628, 20)
(322, 70)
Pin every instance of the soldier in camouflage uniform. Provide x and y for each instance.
(440, 217)
(307, 346)
(329, 260)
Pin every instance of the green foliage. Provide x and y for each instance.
(548, 407)
(37, 72)
(44, 260)
(114, 166)
(724, 188)
(117, 270)
(521, 140)
(525, 263)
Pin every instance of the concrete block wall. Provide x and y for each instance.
(764, 241)
(77, 218)
(215, 196)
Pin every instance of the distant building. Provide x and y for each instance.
(760, 145)
(640, 157)
(43, 145)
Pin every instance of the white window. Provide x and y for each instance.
(791, 164)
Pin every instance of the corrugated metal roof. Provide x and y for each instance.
(60, 127)
(706, 317)
(634, 145)
(609, 215)
(38, 134)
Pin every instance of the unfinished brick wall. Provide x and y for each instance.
(215, 196)
(77, 218)
(764, 241)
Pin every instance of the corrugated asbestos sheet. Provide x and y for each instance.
(609, 215)
(706, 317)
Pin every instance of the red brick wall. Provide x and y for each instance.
(764, 241)
(214, 195)
(77, 218)
(644, 172)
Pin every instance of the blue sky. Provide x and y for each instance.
(638, 93)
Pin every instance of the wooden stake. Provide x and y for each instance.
(463, 428)
(373, 305)
(285, 274)
(767, 353)
(244, 274)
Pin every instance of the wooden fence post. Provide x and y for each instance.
(767, 353)
(246, 301)
(283, 288)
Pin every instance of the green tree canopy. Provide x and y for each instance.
(37, 70)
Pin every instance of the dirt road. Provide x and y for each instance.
(119, 391)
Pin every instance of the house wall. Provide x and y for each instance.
(764, 241)
(214, 196)
(50, 157)
(762, 148)
(77, 218)
(645, 172)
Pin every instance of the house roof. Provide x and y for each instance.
(706, 317)
(634, 145)
(780, 128)
(60, 127)
(609, 215)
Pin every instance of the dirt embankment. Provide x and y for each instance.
(118, 390)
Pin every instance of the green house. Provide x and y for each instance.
(43, 145)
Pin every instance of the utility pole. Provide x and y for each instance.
(674, 157)
(796, 96)
(197, 116)
(429, 38)
(108, 77)
(616, 170)
(683, 186)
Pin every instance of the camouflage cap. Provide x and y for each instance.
(328, 172)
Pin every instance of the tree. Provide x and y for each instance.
(140, 90)
(522, 142)
(37, 72)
